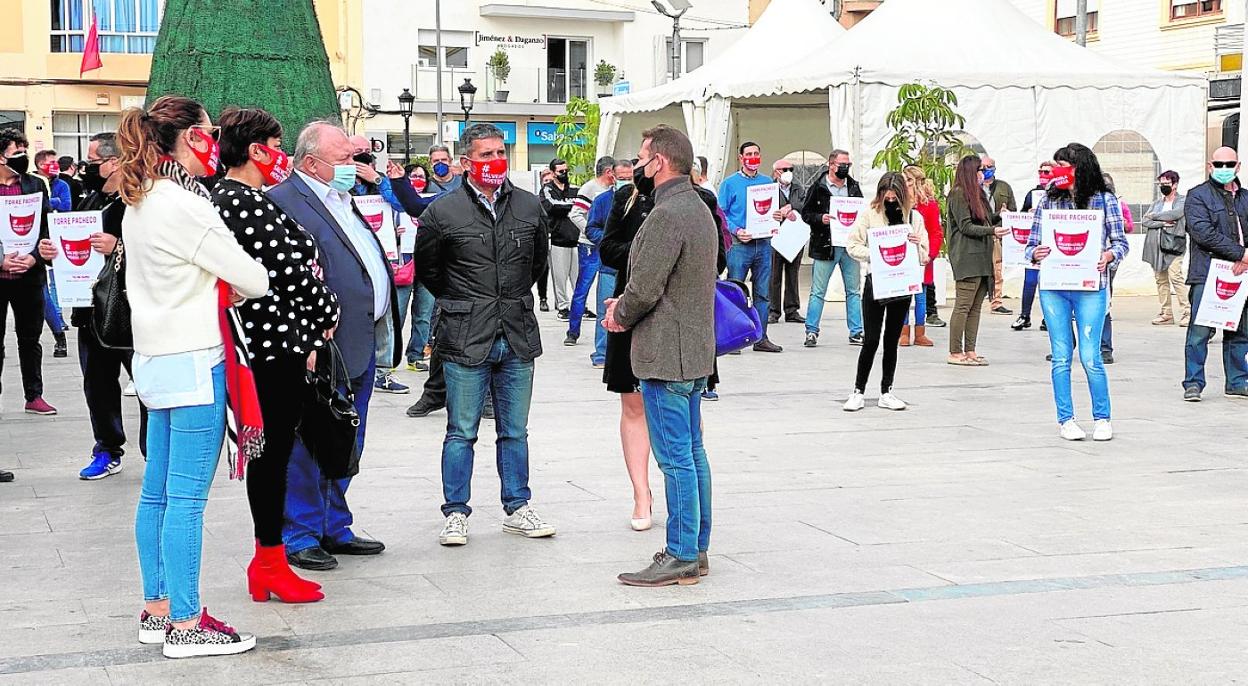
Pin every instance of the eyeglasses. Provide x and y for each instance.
(1217, 164)
(213, 131)
(1045, 170)
(987, 168)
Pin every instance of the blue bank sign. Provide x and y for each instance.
(507, 127)
(542, 133)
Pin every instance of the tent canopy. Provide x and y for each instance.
(969, 43)
(752, 57)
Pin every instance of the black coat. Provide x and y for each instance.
(816, 205)
(557, 203)
(482, 271)
(1213, 220)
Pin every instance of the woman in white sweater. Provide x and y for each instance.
(176, 250)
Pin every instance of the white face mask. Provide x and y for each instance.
(786, 177)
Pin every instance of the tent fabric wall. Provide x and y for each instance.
(630, 125)
(608, 132)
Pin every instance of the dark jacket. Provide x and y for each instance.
(31, 185)
(482, 271)
(669, 301)
(621, 228)
(557, 204)
(797, 197)
(113, 212)
(75, 187)
(813, 209)
(1213, 221)
(1002, 199)
(346, 276)
(970, 242)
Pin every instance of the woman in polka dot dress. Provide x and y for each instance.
(283, 330)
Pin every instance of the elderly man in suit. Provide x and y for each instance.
(784, 290)
(669, 303)
(317, 195)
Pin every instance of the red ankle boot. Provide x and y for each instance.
(269, 573)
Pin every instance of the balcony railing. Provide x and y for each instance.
(530, 85)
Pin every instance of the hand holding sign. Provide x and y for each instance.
(760, 220)
(1073, 259)
(1016, 227)
(844, 212)
(75, 265)
(20, 218)
(1222, 300)
(895, 268)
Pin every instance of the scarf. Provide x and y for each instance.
(244, 425)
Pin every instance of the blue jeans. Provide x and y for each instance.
(316, 507)
(183, 444)
(606, 288)
(674, 420)
(1031, 281)
(851, 277)
(920, 309)
(587, 265)
(52, 307)
(753, 257)
(1087, 310)
(1196, 351)
(511, 381)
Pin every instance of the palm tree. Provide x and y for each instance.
(249, 53)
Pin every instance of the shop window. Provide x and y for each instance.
(1188, 9)
(1064, 18)
(1130, 159)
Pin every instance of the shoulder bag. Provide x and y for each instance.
(329, 421)
(110, 317)
(737, 325)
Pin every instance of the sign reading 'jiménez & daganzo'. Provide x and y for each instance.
(510, 40)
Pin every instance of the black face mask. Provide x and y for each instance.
(644, 184)
(365, 158)
(842, 171)
(19, 163)
(91, 179)
(1165, 190)
(563, 177)
(892, 211)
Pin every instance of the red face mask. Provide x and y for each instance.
(51, 169)
(1063, 178)
(751, 162)
(419, 184)
(210, 158)
(488, 173)
(277, 169)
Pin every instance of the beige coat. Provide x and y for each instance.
(870, 218)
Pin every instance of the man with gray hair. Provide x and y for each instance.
(440, 166)
(479, 251)
(317, 196)
(587, 263)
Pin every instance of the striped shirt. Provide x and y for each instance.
(1113, 235)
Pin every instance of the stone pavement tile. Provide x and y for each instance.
(85, 676)
(1041, 567)
(39, 613)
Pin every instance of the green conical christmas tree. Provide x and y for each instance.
(248, 53)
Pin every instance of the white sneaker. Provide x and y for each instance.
(889, 401)
(129, 391)
(526, 522)
(455, 531)
(1072, 432)
(1103, 431)
(856, 402)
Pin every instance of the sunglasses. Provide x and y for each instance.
(1045, 170)
(1224, 165)
(213, 131)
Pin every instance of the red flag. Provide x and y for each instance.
(91, 52)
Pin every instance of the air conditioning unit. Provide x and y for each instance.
(423, 62)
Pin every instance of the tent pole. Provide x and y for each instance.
(1081, 22)
(1242, 143)
(437, 18)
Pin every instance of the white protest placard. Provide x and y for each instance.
(1074, 240)
(380, 218)
(1222, 302)
(792, 238)
(20, 218)
(760, 205)
(842, 213)
(1014, 242)
(895, 268)
(76, 265)
(407, 240)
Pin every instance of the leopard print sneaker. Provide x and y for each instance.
(209, 637)
(152, 628)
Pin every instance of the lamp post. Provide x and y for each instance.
(680, 7)
(406, 100)
(467, 93)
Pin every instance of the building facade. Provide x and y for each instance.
(552, 50)
(42, 92)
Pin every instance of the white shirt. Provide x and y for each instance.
(342, 207)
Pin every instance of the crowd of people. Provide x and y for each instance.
(251, 274)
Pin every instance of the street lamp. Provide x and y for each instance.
(406, 100)
(467, 93)
(679, 7)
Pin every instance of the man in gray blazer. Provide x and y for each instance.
(669, 303)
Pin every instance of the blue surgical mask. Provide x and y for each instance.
(989, 173)
(1223, 176)
(620, 183)
(344, 178)
(441, 169)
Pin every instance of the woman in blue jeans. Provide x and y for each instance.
(1078, 184)
(177, 252)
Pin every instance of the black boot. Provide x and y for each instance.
(664, 571)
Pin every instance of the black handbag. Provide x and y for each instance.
(329, 422)
(1172, 244)
(110, 316)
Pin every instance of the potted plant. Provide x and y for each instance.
(604, 76)
(500, 66)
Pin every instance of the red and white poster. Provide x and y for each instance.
(1074, 239)
(842, 213)
(407, 240)
(380, 218)
(895, 269)
(20, 218)
(76, 265)
(761, 204)
(1222, 302)
(1014, 242)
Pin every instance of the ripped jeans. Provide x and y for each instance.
(1087, 310)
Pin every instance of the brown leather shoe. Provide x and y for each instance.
(905, 336)
(704, 564)
(664, 571)
(920, 337)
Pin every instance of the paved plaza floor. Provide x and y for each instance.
(959, 542)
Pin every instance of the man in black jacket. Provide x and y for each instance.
(101, 367)
(22, 274)
(826, 256)
(479, 251)
(558, 196)
(784, 291)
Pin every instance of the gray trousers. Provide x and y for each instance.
(563, 272)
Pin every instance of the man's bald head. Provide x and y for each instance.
(1225, 154)
(360, 144)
